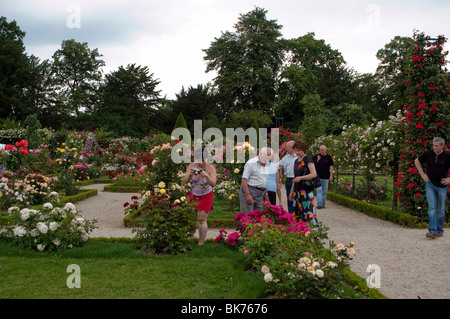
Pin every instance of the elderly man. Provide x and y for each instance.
(253, 190)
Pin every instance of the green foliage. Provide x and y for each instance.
(165, 226)
(180, 123)
(128, 101)
(247, 62)
(76, 74)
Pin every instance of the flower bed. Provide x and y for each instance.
(290, 254)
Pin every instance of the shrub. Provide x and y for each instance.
(49, 228)
(165, 226)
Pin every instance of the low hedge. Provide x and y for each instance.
(380, 212)
(122, 189)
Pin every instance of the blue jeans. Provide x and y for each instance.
(290, 203)
(436, 197)
(321, 192)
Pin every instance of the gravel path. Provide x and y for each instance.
(411, 265)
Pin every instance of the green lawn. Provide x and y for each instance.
(118, 270)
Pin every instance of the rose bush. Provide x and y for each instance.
(166, 225)
(50, 228)
(428, 84)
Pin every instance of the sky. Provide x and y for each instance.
(169, 36)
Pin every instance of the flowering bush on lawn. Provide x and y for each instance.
(312, 276)
(50, 228)
(166, 225)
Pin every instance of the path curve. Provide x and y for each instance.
(411, 265)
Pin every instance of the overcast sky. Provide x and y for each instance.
(168, 36)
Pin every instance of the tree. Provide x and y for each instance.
(128, 101)
(312, 67)
(197, 103)
(247, 62)
(426, 115)
(394, 60)
(17, 73)
(76, 74)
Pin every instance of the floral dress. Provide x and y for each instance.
(303, 198)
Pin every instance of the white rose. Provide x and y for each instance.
(24, 214)
(319, 273)
(265, 269)
(40, 247)
(19, 231)
(56, 242)
(42, 227)
(53, 226)
(268, 277)
(69, 206)
(13, 209)
(34, 233)
(48, 206)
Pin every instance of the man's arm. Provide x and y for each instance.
(420, 170)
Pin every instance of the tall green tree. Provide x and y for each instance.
(247, 62)
(197, 103)
(17, 73)
(129, 101)
(76, 75)
(312, 67)
(394, 60)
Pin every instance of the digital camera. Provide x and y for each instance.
(196, 170)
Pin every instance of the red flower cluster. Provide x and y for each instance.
(22, 145)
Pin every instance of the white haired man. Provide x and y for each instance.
(253, 191)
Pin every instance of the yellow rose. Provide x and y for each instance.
(183, 198)
(162, 191)
(161, 185)
(236, 170)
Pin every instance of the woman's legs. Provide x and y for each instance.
(202, 227)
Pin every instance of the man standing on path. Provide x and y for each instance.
(436, 187)
(324, 167)
(253, 190)
(286, 166)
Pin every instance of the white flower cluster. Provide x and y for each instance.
(50, 227)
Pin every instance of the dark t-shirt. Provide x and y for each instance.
(323, 166)
(437, 166)
(301, 168)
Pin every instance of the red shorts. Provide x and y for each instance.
(205, 202)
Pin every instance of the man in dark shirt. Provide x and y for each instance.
(438, 163)
(324, 167)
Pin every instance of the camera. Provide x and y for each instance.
(196, 170)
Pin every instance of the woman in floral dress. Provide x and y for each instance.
(304, 169)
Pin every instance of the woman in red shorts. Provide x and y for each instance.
(202, 177)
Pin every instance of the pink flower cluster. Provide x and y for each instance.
(273, 215)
